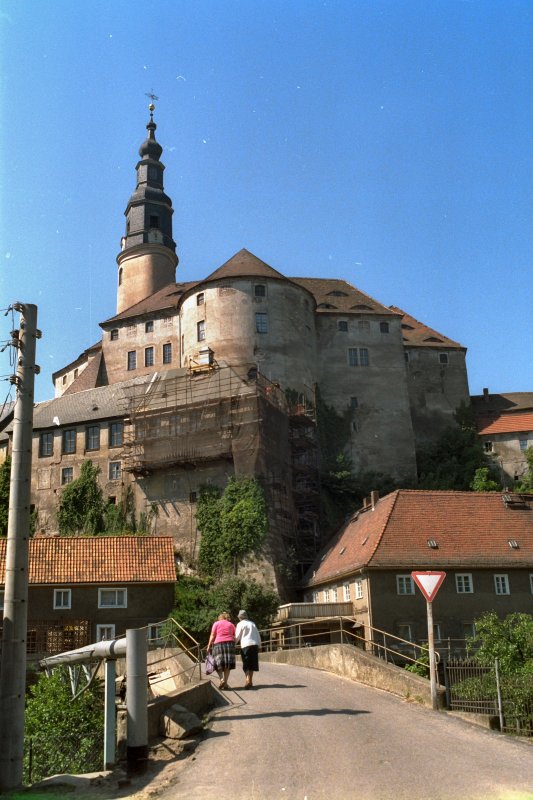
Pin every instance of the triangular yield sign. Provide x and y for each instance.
(428, 582)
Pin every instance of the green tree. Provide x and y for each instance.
(5, 476)
(67, 735)
(81, 506)
(526, 484)
(451, 462)
(233, 524)
(198, 602)
(483, 483)
(510, 640)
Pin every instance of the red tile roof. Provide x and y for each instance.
(418, 334)
(516, 422)
(471, 530)
(98, 559)
(334, 295)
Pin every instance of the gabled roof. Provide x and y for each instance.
(339, 296)
(91, 377)
(417, 334)
(515, 422)
(167, 298)
(497, 403)
(98, 559)
(471, 530)
(244, 264)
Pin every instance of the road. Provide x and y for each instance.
(308, 735)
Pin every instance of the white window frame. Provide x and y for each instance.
(112, 465)
(358, 589)
(59, 596)
(405, 585)
(102, 627)
(400, 631)
(326, 596)
(64, 472)
(316, 597)
(116, 590)
(522, 444)
(347, 597)
(464, 583)
(501, 584)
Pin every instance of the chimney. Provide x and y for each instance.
(374, 497)
(485, 394)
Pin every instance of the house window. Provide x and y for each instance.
(112, 598)
(469, 630)
(62, 598)
(155, 632)
(404, 632)
(67, 475)
(358, 357)
(501, 584)
(342, 325)
(149, 326)
(116, 434)
(260, 290)
(407, 356)
(334, 595)
(200, 299)
(443, 358)
(104, 633)
(1, 601)
(436, 632)
(531, 582)
(92, 437)
(46, 444)
(404, 584)
(113, 335)
(149, 357)
(487, 446)
(463, 583)
(167, 353)
(522, 443)
(200, 330)
(316, 598)
(261, 322)
(69, 441)
(114, 470)
(358, 589)
(326, 595)
(346, 588)
(384, 327)
(132, 360)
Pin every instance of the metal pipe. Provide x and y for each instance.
(137, 699)
(113, 648)
(110, 671)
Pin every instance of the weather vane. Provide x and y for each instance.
(152, 97)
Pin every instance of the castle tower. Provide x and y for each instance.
(147, 261)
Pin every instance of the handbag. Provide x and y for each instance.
(209, 664)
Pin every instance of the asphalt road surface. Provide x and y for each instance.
(308, 735)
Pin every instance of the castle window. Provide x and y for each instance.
(46, 444)
(113, 335)
(149, 357)
(120, 277)
(443, 358)
(260, 290)
(358, 357)
(407, 356)
(116, 434)
(200, 330)
(342, 325)
(149, 326)
(200, 299)
(487, 446)
(114, 470)
(69, 441)
(92, 437)
(167, 353)
(384, 327)
(75, 374)
(261, 322)
(132, 360)
(154, 221)
(354, 403)
(64, 379)
(522, 443)
(67, 475)
(363, 325)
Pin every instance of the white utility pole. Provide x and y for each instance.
(13, 664)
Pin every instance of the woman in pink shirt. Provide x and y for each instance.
(222, 642)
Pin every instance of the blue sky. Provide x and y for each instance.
(385, 142)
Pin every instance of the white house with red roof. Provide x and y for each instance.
(505, 426)
(482, 541)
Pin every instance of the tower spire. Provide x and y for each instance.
(148, 259)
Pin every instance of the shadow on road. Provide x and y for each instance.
(312, 712)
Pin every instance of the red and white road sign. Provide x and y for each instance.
(428, 582)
